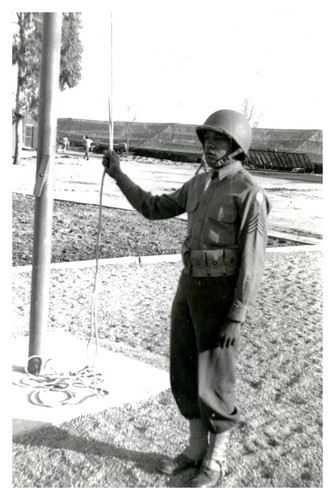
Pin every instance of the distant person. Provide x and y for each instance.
(223, 255)
(87, 143)
(66, 143)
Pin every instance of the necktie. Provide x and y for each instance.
(215, 176)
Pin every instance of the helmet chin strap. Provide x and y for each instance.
(227, 159)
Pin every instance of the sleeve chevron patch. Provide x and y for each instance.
(256, 224)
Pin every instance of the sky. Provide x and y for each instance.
(178, 61)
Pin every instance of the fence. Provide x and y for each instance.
(280, 160)
(179, 142)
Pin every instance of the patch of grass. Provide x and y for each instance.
(278, 443)
(123, 233)
(74, 233)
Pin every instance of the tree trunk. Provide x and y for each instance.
(18, 141)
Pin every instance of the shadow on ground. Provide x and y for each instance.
(145, 463)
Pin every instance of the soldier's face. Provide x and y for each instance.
(216, 146)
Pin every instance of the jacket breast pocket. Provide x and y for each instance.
(191, 205)
(191, 208)
(224, 213)
(222, 227)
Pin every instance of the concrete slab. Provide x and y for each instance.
(125, 379)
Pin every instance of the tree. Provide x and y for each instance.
(248, 111)
(26, 55)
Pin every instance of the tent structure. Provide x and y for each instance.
(179, 141)
(290, 141)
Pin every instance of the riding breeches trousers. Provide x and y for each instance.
(202, 373)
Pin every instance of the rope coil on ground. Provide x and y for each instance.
(53, 389)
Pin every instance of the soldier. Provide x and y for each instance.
(87, 143)
(66, 143)
(223, 256)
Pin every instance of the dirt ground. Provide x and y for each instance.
(297, 205)
(280, 364)
(278, 443)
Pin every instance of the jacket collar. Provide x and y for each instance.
(225, 171)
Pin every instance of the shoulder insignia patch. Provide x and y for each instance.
(259, 197)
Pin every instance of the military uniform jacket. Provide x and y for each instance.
(228, 213)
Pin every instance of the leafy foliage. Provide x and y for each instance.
(26, 54)
(71, 51)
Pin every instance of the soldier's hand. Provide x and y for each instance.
(230, 334)
(111, 162)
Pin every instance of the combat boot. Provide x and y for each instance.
(205, 478)
(192, 456)
(177, 464)
(214, 462)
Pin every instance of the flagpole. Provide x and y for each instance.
(43, 211)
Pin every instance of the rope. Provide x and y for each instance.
(53, 389)
(65, 385)
(94, 332)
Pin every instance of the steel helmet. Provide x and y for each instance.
(230, 123)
